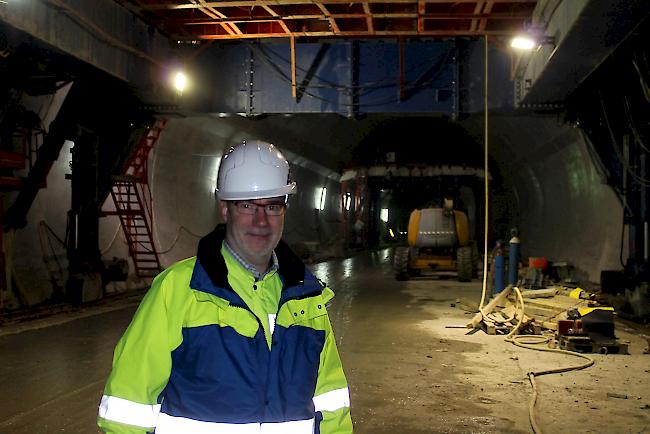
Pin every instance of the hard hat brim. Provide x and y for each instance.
(261, 194)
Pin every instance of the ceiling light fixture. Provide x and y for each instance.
(523, 43)
(180, 81)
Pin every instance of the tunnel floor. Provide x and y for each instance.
(408, 370)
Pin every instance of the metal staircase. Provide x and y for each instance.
(132, 197)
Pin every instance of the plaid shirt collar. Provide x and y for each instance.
(258, 276)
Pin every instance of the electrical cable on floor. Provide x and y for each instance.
(525, 341)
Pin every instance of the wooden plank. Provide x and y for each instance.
(539, 293)
(488, 8)
(248, 3)
(326, 13)
(541, 313)
(509, 311)
(477, 11)
(421, 11)
(369, 21)
(550, 325)
(322, 16)
(227, 23)
(355, 33)
(267, 8)
(500, 298)
(558, 302)
(293, 67)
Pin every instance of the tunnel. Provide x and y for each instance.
(557, 200)
(383, 110)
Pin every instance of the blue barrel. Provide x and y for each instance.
(499, 273)
(513, 261)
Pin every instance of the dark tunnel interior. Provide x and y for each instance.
(569, 175)
(472, 190)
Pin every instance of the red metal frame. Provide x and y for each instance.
(132, 197)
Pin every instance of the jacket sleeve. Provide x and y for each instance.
(142, 364)
(332, 396)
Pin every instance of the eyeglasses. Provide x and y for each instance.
(271, 209)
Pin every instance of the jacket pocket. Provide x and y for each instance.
(309, 312)
(211, 310)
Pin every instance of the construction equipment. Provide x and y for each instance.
(438, 240)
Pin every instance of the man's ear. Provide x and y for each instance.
(224, 210)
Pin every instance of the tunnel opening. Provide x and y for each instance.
(418, 162)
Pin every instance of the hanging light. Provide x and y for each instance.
(180, 81)
(523, 43)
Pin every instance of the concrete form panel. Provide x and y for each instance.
(100, 32)
(347, 78)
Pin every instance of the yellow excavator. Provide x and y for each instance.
(438, 240)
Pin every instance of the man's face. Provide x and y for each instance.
(250, 231)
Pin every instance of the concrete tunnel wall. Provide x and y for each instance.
(561, 205)
(182, 171)
(184, 176)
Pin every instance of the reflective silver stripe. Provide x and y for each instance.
(180, 425)
(291, 427)
(124, 411)
(272, 322)
(332, 400)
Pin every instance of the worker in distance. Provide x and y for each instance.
(236, 339)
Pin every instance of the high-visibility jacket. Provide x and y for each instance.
(195, 359)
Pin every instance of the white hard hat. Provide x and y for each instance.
(254, 170)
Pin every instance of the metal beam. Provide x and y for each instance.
(315, 64)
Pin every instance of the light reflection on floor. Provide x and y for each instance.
(334, 272)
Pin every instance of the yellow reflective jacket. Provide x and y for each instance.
(196, 359)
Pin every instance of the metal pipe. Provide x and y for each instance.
(645, 241)
(513, 259)
(499, 272)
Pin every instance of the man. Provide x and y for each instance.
(236, 339)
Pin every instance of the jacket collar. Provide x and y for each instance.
(211, 274)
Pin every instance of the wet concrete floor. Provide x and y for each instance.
(408, 371)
